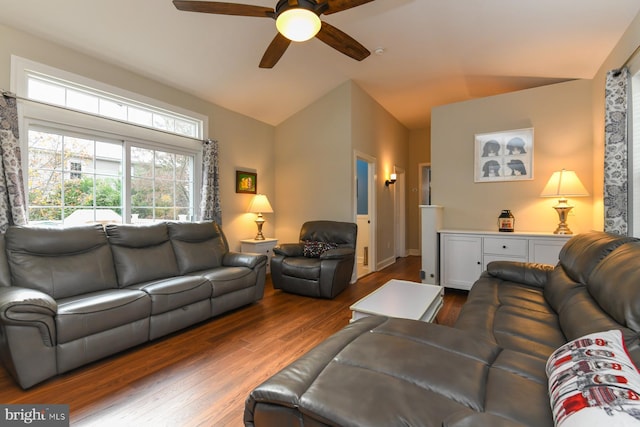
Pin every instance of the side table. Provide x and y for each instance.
(263, 247)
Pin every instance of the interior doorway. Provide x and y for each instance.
(364, 201)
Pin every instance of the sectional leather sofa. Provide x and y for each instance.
(69, 296)
(491, 369)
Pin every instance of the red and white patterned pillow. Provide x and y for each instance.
(593, 382)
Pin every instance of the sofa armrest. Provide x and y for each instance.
(522, 272)
(249, 260)
(338, 253)
(24, 307)
(289, 249)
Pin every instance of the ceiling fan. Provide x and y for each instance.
(296, 20)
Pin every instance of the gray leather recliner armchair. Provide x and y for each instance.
(300, 268)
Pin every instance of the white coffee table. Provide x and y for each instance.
(401, 298)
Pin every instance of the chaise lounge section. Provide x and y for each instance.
(491, 369)
(70, 296)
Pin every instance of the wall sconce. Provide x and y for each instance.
(260, 204)
(391, 180)
(562, 184)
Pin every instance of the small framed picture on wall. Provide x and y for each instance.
(246, 182)
(504, 156)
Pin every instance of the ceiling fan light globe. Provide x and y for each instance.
(298, 24)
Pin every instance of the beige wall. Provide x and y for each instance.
(313, 165)
(625, 47)
(378, 134)
(244, 142)
(314, 161)
(561, 116)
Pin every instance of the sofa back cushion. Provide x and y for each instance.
(582, 253)
(60, 262)
(198, 245)
(615, 285)
(343, 234)
(141, 252)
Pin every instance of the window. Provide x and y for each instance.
(73, 179)
(54, 91)
(127, 160)
(161, 185)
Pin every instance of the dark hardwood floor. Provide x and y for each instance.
(201, 376)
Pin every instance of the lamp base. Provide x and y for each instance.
(563, 212)
(259, 223)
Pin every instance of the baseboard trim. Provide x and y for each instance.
(385, 263)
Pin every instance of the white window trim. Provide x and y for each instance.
(20, 68)
(40, 114)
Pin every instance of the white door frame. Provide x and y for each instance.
(357, 155)
(399, 215)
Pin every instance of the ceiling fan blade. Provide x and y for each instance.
(222, 8)
(340, 5)
(274, 52)
(342, 42)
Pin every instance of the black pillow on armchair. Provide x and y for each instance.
(313, 248)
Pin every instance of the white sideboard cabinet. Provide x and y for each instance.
(465, 254)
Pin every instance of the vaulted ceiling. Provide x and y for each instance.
(433, 52)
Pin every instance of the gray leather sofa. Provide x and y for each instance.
(488, 370)
(69, 296)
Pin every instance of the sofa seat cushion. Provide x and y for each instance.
(513, 315)
(396, 372)
(303, 268)
(94, 312)
(176, 292)
(225, 280)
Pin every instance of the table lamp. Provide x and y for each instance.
(260, 204)
(563, 184)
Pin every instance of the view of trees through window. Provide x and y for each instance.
(75, 180)
(161, 184)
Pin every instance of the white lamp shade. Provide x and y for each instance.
(298, 24)
(564, 183)
(260, 204)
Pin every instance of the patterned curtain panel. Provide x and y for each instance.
(615, 155)
(13, 207)
(210, 208)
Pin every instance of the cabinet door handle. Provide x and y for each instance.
(504, 246)
(479, 263)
